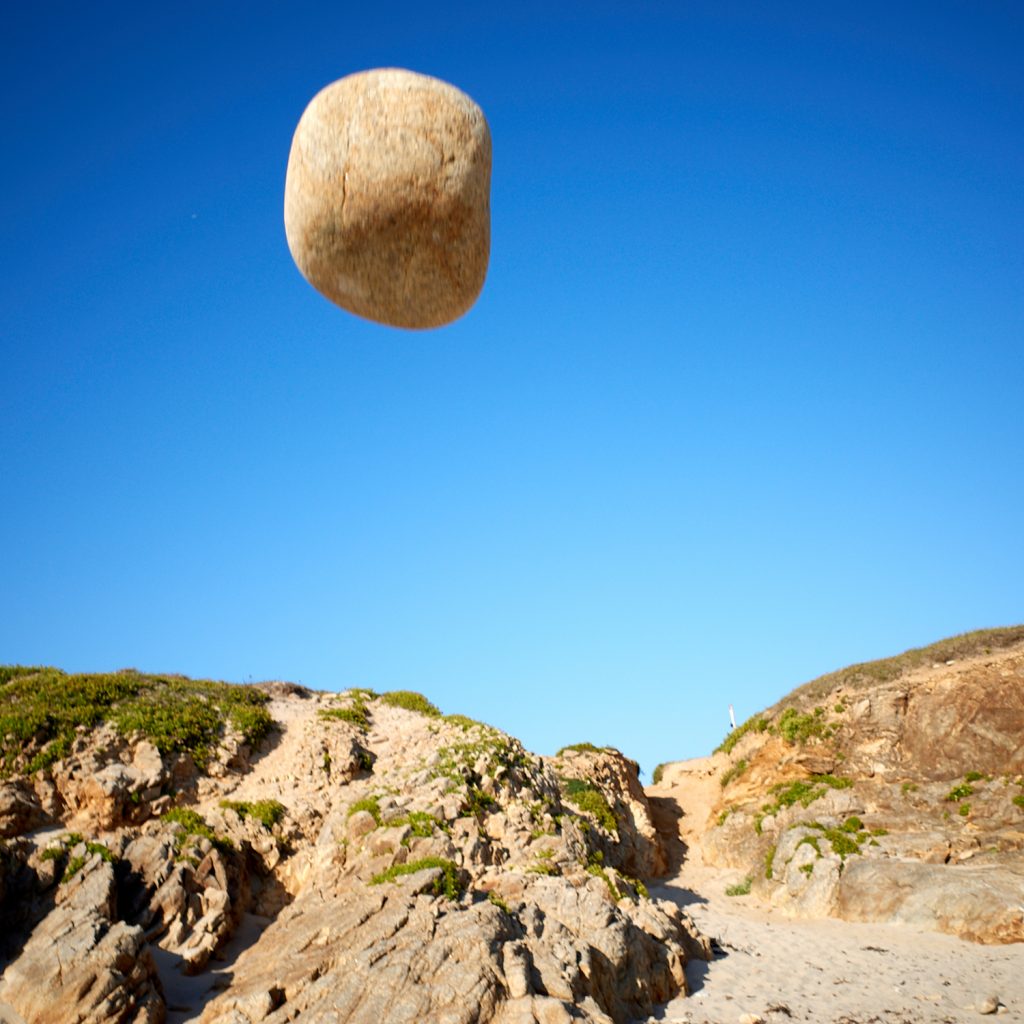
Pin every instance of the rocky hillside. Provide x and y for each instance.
(178, 850)
(889, 791)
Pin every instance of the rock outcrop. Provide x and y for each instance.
(887, 792)
(371, 860)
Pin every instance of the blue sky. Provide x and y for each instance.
(740, 402)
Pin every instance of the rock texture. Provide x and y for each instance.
(888, 792)
(387, 197)
(412, 867)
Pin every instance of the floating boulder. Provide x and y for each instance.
(387, 197)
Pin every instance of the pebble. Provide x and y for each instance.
(387, 197)
(989, 1005)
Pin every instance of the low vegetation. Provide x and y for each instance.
(42, 709)
(484, 755)
(846, 840)
(370, 804)
(267, 812)
(493, 897)
(410, 701)
(421, 825)
(864, 675)
(960, 792)
(740, 889)
(589, 799)
(74, 863)
(801, 726)
(448, 884)
(658, 774)
(465, 723)
(355, 714)
(803, 792)
(756, 724)
(192, 824)
(733, 773)
(583, 748)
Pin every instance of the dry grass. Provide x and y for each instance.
(870, 673)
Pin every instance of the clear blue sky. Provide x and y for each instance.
(742, 400)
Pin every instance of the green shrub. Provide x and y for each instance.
(368, 803)
(965, 809)
(834, 781)
(641, 889)
(853, 824)
(477, 802)
(803, 792)
(420, 823)
(909, 787)
(843, 840)
(355, 715)
(812, 842)
(807, 869)
(483, 754)
(193, 824)
(799, 727)
(974, 777)
(756, 724)
(465, 723)
(1019, 800)
(493, 897)
(583, 748)
(961, 792)
(658, 774)
(9, 672)
(41, 711)
(410, 701)
(543, 866)
(733, 773)
(449, 884)
(73, 867)
(740, 889)
(267, 812)
(769, 862)
(589, 799)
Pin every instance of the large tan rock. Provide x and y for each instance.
(387, 197)
(83, 966)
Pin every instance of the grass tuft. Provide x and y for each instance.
(193, 824)
(733, 773)
(368, 803)
(267, 812)
(411, 701)
(756, 724)
(449, 884)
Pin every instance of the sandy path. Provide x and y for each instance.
(823, 971)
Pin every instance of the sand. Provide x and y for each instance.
(825, 971)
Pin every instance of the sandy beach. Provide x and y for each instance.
(834, 972)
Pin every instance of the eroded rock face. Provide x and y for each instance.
(20, 809)
(387, 197)
(382, 865)
(900, 800)
(82, 964)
